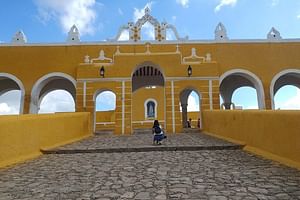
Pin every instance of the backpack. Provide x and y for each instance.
(157, 129)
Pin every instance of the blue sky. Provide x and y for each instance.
(48, 21)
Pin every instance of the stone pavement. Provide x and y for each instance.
(206, 174)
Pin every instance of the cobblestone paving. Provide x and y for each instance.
(218, 174)
(145, 140)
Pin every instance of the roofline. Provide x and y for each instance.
(154, 42)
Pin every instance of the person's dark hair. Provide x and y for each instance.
(156, 123)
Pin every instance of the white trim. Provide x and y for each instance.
(255, 80)
(173, 107)
(21, 86)
(155, 107)
(84, 94)
(210, 95)
(39, 84)
(120, 79)
(105, 123)
(275, 78)
(123, 107)
(153, 42)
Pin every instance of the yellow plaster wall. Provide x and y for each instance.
(273, 134)
(105, 116)
(23, 136)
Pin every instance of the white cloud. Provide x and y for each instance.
(183, 3)
(10, 102)
(57, 101)
(124, 36)
(106, 101)
(68, 12)
(193, 103)
(298, 16)
(292, 103)
(225, 3)
(275, 2)
(120, 11)
(148, 30)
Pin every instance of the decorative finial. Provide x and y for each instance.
(147, 10)
(73, 35)
(19, 38)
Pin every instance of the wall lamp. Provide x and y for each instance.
(102, 72)
(189, 70)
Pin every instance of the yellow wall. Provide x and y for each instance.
(274, 134)
(105, 116)
(23, 136)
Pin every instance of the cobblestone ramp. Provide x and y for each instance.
(143, 143)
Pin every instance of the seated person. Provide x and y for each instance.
(158, 133)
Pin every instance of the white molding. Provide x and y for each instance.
(40, 83)
(105, 123)
(155, 107)
(121, 79)
(210, 95)
(123, 107)
(84, 94)
(173, 107)
(21, 86)
(255, 80)
(175, 42)
(275, 78)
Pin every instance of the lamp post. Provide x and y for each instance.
(102, 72)
(189, 70)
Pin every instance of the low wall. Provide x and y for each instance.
(273, 134)
(22, 136)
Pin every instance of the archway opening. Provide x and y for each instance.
(285, 90)
(148, 96)
(11, 95)
(287, 98)
(147, 32)
(49, 83)
(241, 81)
(245, 98)
(57, 101)
(190, 101)
(105, 106)
(10, 102)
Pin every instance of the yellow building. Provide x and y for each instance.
(151, 79)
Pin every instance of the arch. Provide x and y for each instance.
(98, 92)
(146, 108)
(147, 74)
(184, 95)
(50, 82)
(235, 78)
(285, 77)
(14, 84)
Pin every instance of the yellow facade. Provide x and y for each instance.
(30, 63)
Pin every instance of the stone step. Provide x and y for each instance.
(143, 149)
(142, 131)
(104, 132)
(191, 130)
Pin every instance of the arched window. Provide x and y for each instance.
(150, 109)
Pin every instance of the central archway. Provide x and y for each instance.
(148, 96)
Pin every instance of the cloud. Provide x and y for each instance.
(10, 102)
(82, 13)
(124, 36)
(120, 11)
(275, 2)
(148, 30)
(57, 101)
(298, 16)
(183, 3)
(193, 103)
(292, 103)
(106, 101)
(225, 3)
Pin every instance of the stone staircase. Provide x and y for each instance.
(142, 131)
(191, 130)
(104, 132)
